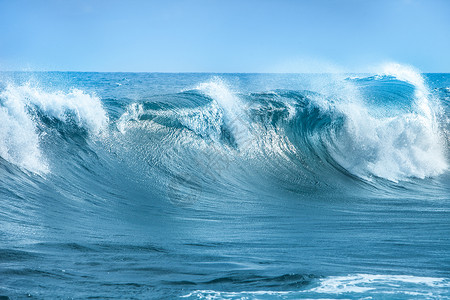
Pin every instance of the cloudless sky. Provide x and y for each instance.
(223, 36)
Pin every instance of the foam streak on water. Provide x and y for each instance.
(352, 286)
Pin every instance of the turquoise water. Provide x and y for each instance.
(225, 186)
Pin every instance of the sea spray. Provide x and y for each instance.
(21, 107)
(394, 147)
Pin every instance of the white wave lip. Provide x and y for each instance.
(19, 138)
(395, 148)
(234, 110)
(226, 108)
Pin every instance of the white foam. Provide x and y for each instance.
(19, 142)
(211, 294)
(404, 73)
(395, 148)
(85, 109)
(19, 139)
(233, 108)
(133, 112)
(363, 285)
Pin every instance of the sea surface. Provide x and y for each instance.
(225, 186)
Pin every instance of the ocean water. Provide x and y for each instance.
(225, 186)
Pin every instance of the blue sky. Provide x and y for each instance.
(223, 36)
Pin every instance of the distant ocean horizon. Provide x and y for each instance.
(199, 185)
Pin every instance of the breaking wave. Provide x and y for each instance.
(200, 186)
(386, 129)
(27, 113)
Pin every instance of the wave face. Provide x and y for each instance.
(209, 177)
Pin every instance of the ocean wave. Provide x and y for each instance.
(377, 130)
(394, 141)
(22, 109)
(225, 187)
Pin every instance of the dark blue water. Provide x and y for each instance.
(225, 186)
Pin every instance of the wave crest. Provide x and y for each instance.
(397, 143)
(395, 137)
(20, 109)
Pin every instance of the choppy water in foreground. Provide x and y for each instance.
(225, 186)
